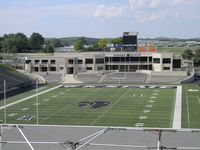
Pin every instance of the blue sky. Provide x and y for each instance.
(101, 18)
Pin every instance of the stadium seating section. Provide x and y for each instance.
(127, 78)
(12, 80)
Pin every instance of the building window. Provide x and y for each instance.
(36, 69)
(166, 60)
(100, 68)
(80, 61)
(100, 61)
(156, 60)
(89, 61)
(143, 59)
(53, 69)
(71, 61)
(37, 61)
(44, 61)
(166, 68)
(150, 59)
(88, 68)
(61, 68)
(44, 69)
(53, 61)
(28, 61)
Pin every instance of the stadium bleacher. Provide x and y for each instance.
(128, 77)
(12, 80)
(51, 77)
(88, 77)
(156, 79)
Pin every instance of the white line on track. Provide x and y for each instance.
(29, 97)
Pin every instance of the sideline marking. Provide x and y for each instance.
(188, 111)
(199, 99)
(29, 97)
(177, 109)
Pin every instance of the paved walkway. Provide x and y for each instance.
(177, 109)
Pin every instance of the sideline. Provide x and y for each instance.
(177, 109)
(29, 97)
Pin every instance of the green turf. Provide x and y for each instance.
(124, 109)
(175, 50)
(191, 106)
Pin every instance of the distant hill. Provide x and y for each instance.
(71, 40)
(172, 39)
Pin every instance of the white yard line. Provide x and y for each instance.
(29, 97)
(177, 109)
(199, 99)
(100, 116)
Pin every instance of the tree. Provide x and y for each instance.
(116, 40)
(1, 44)
(102, 43)
(36, 41)
(56, 42)
(9, 44)
(49, 49)
(197, 57)
(21, 42)
(187, 54)
(79, 43)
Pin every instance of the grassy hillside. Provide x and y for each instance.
(175, 50)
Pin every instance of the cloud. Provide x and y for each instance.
(154, 4)
(144, 4)
(103, 11)
(183, 2)
(146, 17)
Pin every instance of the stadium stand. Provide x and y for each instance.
(88, 77)
(157, 79)
(128, 77)
(13, 80)
(51, 77)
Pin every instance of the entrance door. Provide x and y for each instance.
(70, 70)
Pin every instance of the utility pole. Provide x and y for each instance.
(36, 90)
(1, 138)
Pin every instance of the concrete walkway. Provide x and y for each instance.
(177, 109)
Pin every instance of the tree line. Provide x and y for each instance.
(99, 45)
(20, 43)
(189, 54)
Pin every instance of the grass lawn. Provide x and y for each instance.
(175, 50)
(191, 106)
(148, 107)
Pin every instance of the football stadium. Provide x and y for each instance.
(129, 96)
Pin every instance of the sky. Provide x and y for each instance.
(101, 18)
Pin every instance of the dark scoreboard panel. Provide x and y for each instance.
(130, 39)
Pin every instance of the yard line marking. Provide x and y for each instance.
(177, 109)
(29, 97)
(67, 106)
(199, 99)
(188, 111)
(100, 116)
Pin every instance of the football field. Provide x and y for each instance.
(133, 107)
(191, 106)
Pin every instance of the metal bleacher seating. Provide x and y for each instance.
(12, 80)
